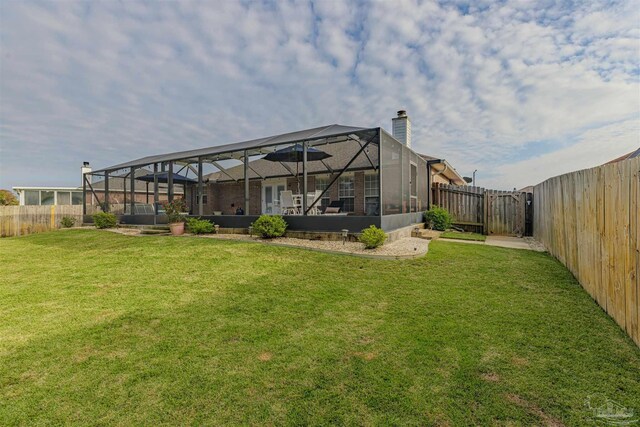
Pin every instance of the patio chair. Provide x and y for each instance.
(312, 197)
(287, 206)
(335, 208)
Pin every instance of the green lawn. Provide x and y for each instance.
(99, 328)
(463, 236)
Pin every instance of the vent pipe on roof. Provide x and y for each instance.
(86, 168)
(402, 128)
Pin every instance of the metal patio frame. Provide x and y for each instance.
(194, 160)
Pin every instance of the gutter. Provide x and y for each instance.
(447, 167)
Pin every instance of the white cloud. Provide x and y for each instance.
(592, 148)
(492, 88)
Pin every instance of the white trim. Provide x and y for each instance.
(274, 183)
(353, 179)
(364, 189)
(327, 195)
(97, 190)
(48, 188)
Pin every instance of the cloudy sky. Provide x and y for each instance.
(520, 90)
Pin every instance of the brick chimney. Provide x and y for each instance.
(402, 128)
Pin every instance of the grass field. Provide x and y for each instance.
(463, 236)
(99, 328)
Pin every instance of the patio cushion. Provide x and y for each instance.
(331, 210)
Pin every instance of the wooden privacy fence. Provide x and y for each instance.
(589, 221)
(485, 211)
(21, 220)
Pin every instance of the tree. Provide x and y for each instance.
(7, 198)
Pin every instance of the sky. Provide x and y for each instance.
(519, 90)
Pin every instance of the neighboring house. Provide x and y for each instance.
(119, 188)
(442, 172)
(375, 178)
(631, 155)
(34, 196)
(48, 196)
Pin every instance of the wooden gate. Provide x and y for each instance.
(476, 209)
(505, 212)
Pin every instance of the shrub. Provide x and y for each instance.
(373, 237)
(438, 218)
(67, 221)
(175, 209)
(104, 220)
(199, 226)
(269, 226)
(7, 198)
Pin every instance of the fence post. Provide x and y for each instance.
(485, 214)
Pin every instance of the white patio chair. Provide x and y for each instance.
(287, 205)
(311, 198)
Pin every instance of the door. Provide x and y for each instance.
(271, 190)
(505, 213)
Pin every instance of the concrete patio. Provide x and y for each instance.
(505, 242)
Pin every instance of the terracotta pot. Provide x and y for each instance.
(177, 228)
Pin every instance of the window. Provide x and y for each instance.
(76, 198)
(322, 183)
(31, 197)
(414, 179)
(204, 199)
(47, 198)
(371, 194)
(64, 198)
(346, 192)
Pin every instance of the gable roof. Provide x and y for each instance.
(340, 153)
(265, 168)
(327, 131)
(447, 170)
(630, 155)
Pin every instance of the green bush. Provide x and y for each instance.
(7, 198)
(269, 226)
(67, 221)
(438, 218)
(175, 209)
(199, 226)
(373, 237)
(104, 220)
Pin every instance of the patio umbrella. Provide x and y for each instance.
(164, 178)
(295, 153)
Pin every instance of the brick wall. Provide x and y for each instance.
(220, 196)
(292, 184)
(117, 197)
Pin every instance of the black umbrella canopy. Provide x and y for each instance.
(164, 178)
(295, 153)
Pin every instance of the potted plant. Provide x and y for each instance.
(174, 211)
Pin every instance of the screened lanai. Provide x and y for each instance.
(329, 178)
